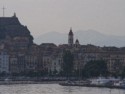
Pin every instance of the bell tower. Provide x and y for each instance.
(70, 38)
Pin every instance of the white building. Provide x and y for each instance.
(52, 64)
(56, 65)
(4, 62)
(13, 64)
(47, 61)
(31, 62)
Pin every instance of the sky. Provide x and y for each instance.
(42, 16)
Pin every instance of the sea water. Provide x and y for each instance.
(55, 89)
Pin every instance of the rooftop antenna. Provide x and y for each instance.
(3, 11)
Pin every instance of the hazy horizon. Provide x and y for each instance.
(42, 16)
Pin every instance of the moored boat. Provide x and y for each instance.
(75, 83)
(101, 83)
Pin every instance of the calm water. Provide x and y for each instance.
(54, 89)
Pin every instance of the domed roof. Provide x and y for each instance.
(77, 41)
(70, 32)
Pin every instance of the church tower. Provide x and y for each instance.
(70, 38)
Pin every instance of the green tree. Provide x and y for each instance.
(67, 63)
(123, 73)
(95, 69)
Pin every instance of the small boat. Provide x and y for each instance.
(100, 83)
(75, 83)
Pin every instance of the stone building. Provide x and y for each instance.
(15, 35)
(13, 64)
(70, 38)
(4, 62)
(23, 55)
(113, 56)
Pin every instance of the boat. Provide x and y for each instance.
(100, 83)
(75, 83)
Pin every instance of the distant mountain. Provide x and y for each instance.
(85, 37)
(52, 37)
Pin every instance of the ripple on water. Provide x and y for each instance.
(54, 89)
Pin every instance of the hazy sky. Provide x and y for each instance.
(41, 16)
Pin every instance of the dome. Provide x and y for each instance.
(77, 41)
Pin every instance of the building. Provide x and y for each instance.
(13, 64)
(31, 62)
(47, 62)
(19, 54)
(70, 38)
(15, 35)
(4, 62)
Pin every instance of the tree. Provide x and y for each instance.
(67, 63)
(95, 69)
(123, 73)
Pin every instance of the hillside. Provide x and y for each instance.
(85, 37)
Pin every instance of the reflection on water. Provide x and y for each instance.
(55, 89)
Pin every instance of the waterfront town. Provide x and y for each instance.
(20, 56)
